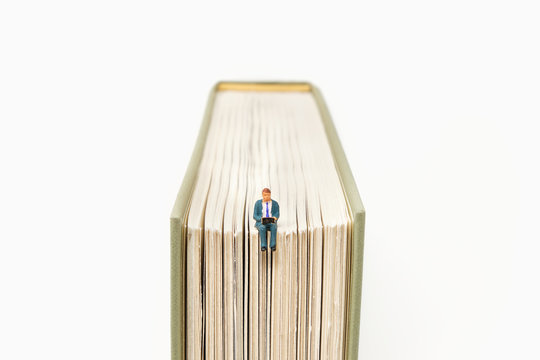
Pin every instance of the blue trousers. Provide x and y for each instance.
(262, 233)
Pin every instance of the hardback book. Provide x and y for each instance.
(229, 298)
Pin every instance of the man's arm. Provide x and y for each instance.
(276, 212)
(257, 214)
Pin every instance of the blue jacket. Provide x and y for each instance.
(257, 211)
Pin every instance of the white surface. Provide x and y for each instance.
(437, 106)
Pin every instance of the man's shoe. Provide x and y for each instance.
(273, 249)
(263, 249)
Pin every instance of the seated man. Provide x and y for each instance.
(266, 214)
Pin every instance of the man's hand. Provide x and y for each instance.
(275, 218)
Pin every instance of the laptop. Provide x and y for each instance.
(268, 220)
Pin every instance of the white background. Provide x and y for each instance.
(437, 107)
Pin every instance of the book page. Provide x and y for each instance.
(243, 302)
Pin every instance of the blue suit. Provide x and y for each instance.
(258, 214)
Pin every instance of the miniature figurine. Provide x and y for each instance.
(266, 214)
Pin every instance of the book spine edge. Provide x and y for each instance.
(178, 228)
(357, 212)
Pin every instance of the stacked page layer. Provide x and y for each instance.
(242, 303)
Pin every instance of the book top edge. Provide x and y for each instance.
(264, 86)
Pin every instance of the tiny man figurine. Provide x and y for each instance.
(266, 214)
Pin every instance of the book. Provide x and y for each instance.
(268, 220)
(231, 300)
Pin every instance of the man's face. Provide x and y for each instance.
(266, 196)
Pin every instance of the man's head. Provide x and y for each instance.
(266, 194)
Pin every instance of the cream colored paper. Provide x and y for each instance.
(242, 302)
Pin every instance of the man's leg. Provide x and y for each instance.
(262, 235)
(273, 234)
